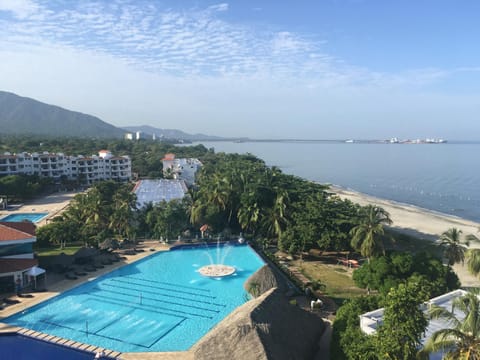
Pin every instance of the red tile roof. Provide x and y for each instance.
(14, 265)
(9, 233)
(24, 226)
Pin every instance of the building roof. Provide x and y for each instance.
(155, 191)
(14, 265)
(12, 233)
(169, 157)
(369, 322)
(24, 226)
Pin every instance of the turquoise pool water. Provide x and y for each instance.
(160, 303)
(18, 217)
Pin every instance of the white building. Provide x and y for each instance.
(370, 321)
(181, 169)
(158, 190)
(103, 166)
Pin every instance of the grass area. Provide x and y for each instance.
(337, 279)
(69, 250)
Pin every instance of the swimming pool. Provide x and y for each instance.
(160, 303)
(19, 217)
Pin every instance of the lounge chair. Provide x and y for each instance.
(11, 301)
(80, 273)
(25, 295)
(70, 276)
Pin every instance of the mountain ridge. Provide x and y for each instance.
(24, 115)
(170, 133)
(20, 115)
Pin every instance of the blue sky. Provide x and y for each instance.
(263, 69)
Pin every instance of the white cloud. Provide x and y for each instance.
(130, 63)
(20, 9)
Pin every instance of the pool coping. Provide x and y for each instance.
(15, 330)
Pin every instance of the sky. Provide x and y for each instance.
(324, 69)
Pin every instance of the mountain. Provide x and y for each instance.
(149, 131)
(21, 115)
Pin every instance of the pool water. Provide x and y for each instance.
(19, 347)
(19, 217)
(160, 303)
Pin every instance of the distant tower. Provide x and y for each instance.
(154, 137)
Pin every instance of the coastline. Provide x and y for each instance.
(421, 223)
(411, 219)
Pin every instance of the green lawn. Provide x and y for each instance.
(69, 250)
(336, 278)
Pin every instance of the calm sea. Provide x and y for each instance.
(439, 177)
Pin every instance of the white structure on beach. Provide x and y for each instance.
(87, 169)
(181, 169)
(370, 321)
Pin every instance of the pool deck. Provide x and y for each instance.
(52, 204)
(58, 284)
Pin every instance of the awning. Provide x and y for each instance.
(35, 271)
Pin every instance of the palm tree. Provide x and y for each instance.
(367, 235)
(473, 256)
(453, 247)
(462, 339)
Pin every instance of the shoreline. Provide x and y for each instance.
(428, 224)
(422, 223)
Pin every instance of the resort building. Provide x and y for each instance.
(16, 254)
(155, 191)
(181, 169)
(369, 322)
(88, 170)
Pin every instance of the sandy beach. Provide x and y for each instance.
(418, 222)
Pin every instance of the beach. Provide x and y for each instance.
(422, 223)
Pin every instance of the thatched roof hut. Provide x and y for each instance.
(263, 280)
(84, 255)
(268, 327)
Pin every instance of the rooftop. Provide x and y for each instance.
(159, 190)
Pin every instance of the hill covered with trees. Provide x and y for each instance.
(22, 115)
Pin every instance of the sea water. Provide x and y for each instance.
(438, 177)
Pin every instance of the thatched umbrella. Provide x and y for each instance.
(109, 244)
(84, 255)
(63, 260)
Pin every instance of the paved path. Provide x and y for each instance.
(324, 344)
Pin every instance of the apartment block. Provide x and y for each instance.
(104, 166)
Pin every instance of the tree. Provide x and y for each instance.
(404, 323)
(386, 272)
(473, 257)
(461, 340)
(453, 248)
(348, 341)
(366, 236)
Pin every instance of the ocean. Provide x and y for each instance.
(439, 177)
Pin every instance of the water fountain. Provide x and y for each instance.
(217, 269)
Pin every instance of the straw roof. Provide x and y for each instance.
(263, 280)
(268, 327)
(85, 252)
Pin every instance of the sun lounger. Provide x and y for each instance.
(10, 301)
(71, 276)
(80, 273)
(25, 295)
(90, 268)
